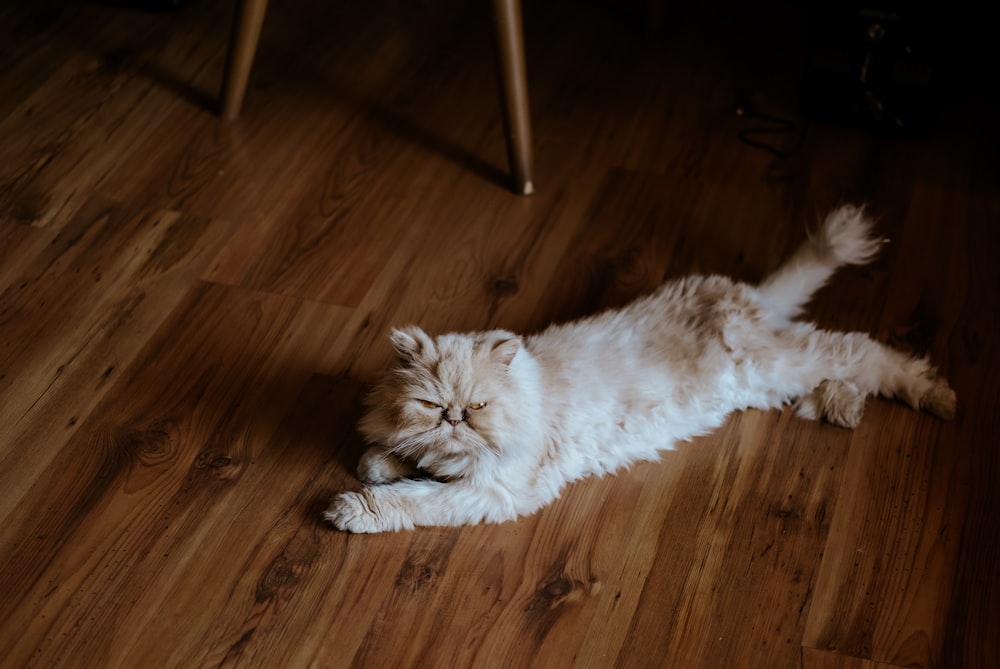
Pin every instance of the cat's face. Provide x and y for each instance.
(447, 401)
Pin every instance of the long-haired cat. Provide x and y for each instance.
(488, 426)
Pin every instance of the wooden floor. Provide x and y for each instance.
(190, 311)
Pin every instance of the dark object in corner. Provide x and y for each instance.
(142, 5)
(877, 65)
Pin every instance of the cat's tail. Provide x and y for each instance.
(844, 238)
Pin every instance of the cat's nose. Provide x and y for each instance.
(454, 422)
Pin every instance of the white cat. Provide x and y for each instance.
(488, 426)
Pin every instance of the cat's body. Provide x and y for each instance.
(487, 426)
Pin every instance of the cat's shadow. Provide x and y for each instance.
(325, 419)
(322, 429)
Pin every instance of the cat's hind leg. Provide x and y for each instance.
(837, 401)
(853, 365)
(913, 380)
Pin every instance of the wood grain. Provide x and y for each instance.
(75, 317)
(73, 149)
(191, 312)
(135, 487)
(818, 659)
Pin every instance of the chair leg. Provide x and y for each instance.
(242, 46)
(514, 80)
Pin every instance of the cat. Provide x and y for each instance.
(489, 426)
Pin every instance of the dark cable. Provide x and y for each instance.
(775, 126)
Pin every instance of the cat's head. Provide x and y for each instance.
(448, 400)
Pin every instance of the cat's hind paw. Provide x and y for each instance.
(843, 403)
(839, 402)
(940, 400)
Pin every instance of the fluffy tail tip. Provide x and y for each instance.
(846, 236)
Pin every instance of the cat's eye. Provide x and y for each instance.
(477, 406)
(429, 405)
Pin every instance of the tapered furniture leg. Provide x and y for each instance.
(514, 90)
(242, 46)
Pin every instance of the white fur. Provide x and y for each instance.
(488, 426)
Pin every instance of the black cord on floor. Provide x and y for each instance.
(770, 126)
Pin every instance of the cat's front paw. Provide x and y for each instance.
(376, 466)
(359, 512)
(351, 513)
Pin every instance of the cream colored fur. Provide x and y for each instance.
(467, 428)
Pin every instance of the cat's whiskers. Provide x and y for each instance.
(471, 443)
(412, 445)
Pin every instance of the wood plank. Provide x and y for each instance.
(290, 576)
(130, 500)
(974, 595)
(500, 254)
(130, 62)
(822, 659)
(763, 508)
(321, 131)
(892, 585)
(645, 227)
(31, 47)
(886, 588)
(75, 310)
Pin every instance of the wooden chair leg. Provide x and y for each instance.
(242, 46)
(514, 87)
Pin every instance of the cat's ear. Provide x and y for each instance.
(504, 349)
(410, 343)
